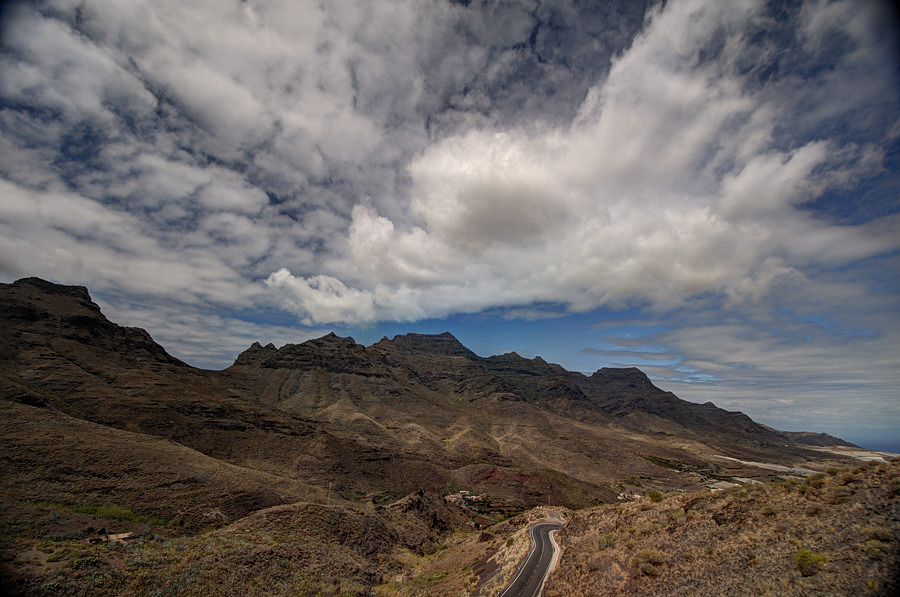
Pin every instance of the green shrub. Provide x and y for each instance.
(768, 510)
(808, 562)
(656, 558)
(433, 578)
(85, 562)
(647, 562)
(816, 480)
(654, 495)
(63, 553)
(115, 512)
(647, 528)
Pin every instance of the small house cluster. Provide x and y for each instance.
(482, 503)
(466, 499)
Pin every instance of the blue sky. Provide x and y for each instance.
(707, 190)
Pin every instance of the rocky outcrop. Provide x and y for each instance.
(432, 518)
(255, 355)
(37, 311)
(425, 344)
(816, 439)
(329, 353)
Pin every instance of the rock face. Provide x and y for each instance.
(53, 312)
(328, 353)
(255, 355)
(424, 344)
(442, 364)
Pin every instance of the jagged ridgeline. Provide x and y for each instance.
(102, 428)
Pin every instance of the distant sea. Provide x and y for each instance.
(881, 446)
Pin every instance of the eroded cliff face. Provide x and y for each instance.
(36, 313)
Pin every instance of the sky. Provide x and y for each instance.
(707, 190)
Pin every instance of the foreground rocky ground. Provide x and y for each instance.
(834, 533)
(295, 549)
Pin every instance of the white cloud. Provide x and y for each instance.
(488, 189)
(323, 299)
(669, 185)
(771, 184)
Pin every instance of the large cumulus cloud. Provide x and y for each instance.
(677, 178)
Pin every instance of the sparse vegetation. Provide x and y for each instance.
(816, 481)
(114, 512)
(808, 562)
(647, 562)
(880, 533)
(770, 541)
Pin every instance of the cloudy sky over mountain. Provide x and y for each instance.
(707, 190)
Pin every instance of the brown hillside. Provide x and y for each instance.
(832, 534)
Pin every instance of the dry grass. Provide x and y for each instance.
(296, 549)
(474, 563)
(832, 534)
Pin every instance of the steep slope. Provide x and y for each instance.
(833, 534)
(77, 466)
(60, 352)
(430, 393)
(836, 533)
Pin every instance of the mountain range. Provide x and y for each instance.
(97, 415)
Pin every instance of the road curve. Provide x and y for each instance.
(529, 580)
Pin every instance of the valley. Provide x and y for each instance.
(323, 468)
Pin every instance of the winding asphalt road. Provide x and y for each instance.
(529, 581)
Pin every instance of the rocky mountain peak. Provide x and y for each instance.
(631, 377)
(329, 353)
(55, 311)
(30, 299)
(79, 292)
(444, 344)
(255, 355)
